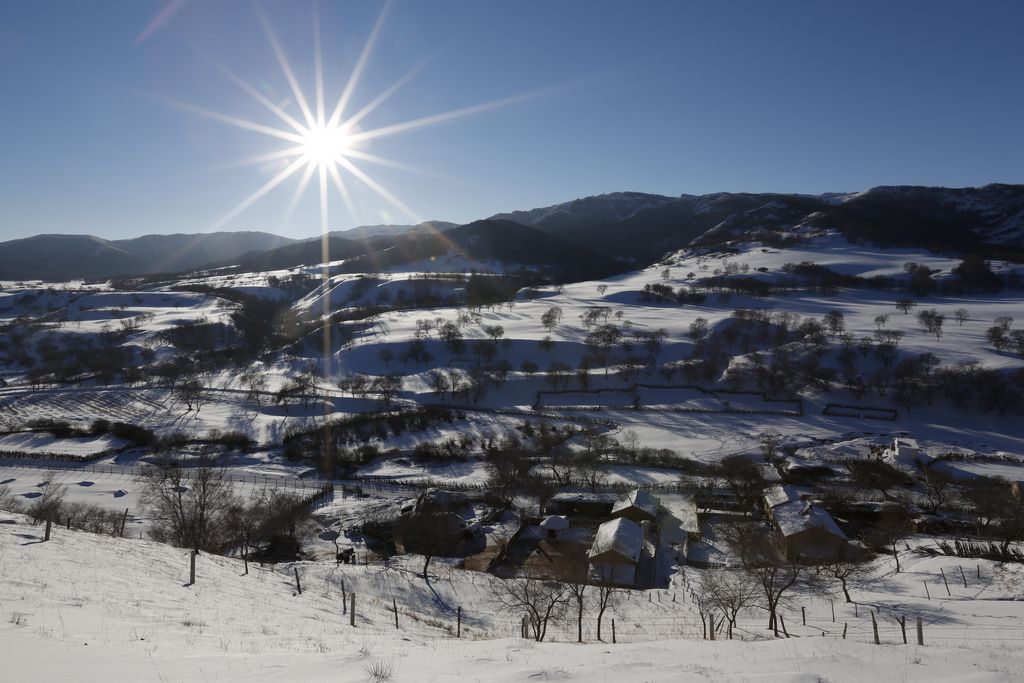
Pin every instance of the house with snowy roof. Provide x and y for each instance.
(638, 506)
(906, 453)
(616, 550)
(808, 533)
(779, 494)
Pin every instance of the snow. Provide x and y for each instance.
(36, 443)
(118, 610)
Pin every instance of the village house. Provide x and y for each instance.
(615, 552)
(906, 453)
(808, 533)
(638, 506)
(593, 505)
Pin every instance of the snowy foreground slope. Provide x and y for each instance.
(88, 607)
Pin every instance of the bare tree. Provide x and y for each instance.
(761, 557)
(540, 600)
(1000, 510)
(606, 596)
(937, 487)
(426, 533)
(744, 480)
(189, 504)
(962, 315)
(48, 505)
(844, 572)
(730, 592)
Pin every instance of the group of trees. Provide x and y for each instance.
(197, 507)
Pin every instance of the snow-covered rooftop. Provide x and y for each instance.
(797, 516)
(621, 536)
(642, 500)
(554, 523)
(780, 494)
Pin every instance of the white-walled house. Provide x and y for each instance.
(906, 453)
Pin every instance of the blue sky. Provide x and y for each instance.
(666, 97)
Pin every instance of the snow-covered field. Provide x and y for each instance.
(103, 608)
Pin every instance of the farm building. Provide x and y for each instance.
(597, 505)
(638, 506)
(554, 527)
(678, 521)
(615, 553)
(779, 494)
(906, 453)
(808, 532)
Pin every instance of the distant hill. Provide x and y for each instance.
(491, 240)
(642, 227)
(496, 241)
(64, 257)
(366, 231)
(594, 234)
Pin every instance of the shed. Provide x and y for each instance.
(616, 550)
(554, 527)
(779, 494)
(637, 505)
(582, 504)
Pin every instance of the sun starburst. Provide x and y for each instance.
(329, 146)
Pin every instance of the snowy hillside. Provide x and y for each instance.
(121, 609)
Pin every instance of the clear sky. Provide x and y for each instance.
(667, 97)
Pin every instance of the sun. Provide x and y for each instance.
(325, 144)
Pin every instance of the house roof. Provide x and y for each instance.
(621, 536)
(780, 494)
(768, 472)
(583, 497)
(554, 523)
(683, 510)
(798, 516)
(641, 500)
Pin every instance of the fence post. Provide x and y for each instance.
(979, 572)
(903, 628)
(926, 591)
(613, 631)
(298, 585)
(458, 623)
(874, 627)
(711, 627)
(783, 622)
(344, 598)
(803, 615)
(833, 606)
(962, 575)
(920, 632)
(352, 611)
(192, 568)
(944, 581)
(69, 522)
(124, 519)
(47, 537)
(394, 606)
(844, 630)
